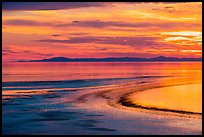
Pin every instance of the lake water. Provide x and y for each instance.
(33, 92)
(33, 71)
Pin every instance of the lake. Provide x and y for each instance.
(62, 98)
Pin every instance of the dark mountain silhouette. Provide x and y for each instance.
(112, 59)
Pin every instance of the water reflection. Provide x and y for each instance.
(34, 71)
(183, 97)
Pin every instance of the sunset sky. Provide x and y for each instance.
(37, 30)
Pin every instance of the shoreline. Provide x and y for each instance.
(121, 101)
(128, 103)
(106, 101)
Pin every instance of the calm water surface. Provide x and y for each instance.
(33, 71)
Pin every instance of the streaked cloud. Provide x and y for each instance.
(114, 25)
(131, 41)
(55, 35)
(48, 5)
(192, 51)
(7, 51)
(121, 24)
(176, 38)
(183, 33)
(23, 22)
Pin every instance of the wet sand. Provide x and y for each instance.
(181, 98)
(131, 120)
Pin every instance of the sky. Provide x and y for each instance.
(38, 30)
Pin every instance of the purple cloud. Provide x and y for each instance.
(101, 24)
(8, 51)
(130, 41)
(136, 54)
(48, 5)
(105, 24)
(19, 22)
(56, 35)
(78, 34)
(169, 7)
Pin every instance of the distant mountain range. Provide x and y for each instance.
(112, 59)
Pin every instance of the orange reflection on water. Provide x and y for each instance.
(49, 71)
(183, 97)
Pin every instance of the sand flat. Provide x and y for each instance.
(182, 97)
(130, 120)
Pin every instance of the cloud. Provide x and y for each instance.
(55, 35)
(156, 9)
(8, 51)
(135, 54)
(130, 41)
(176, 38)
(169, 7)
(106, 24)
(191, 51)
(48, 5)
(104, 49)
(102, 24)
(165, 9)
(183, 33)
(20, 22)
(185, 38)
(72, 40)
(36, 53)
(78, 34)
(88, 23)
